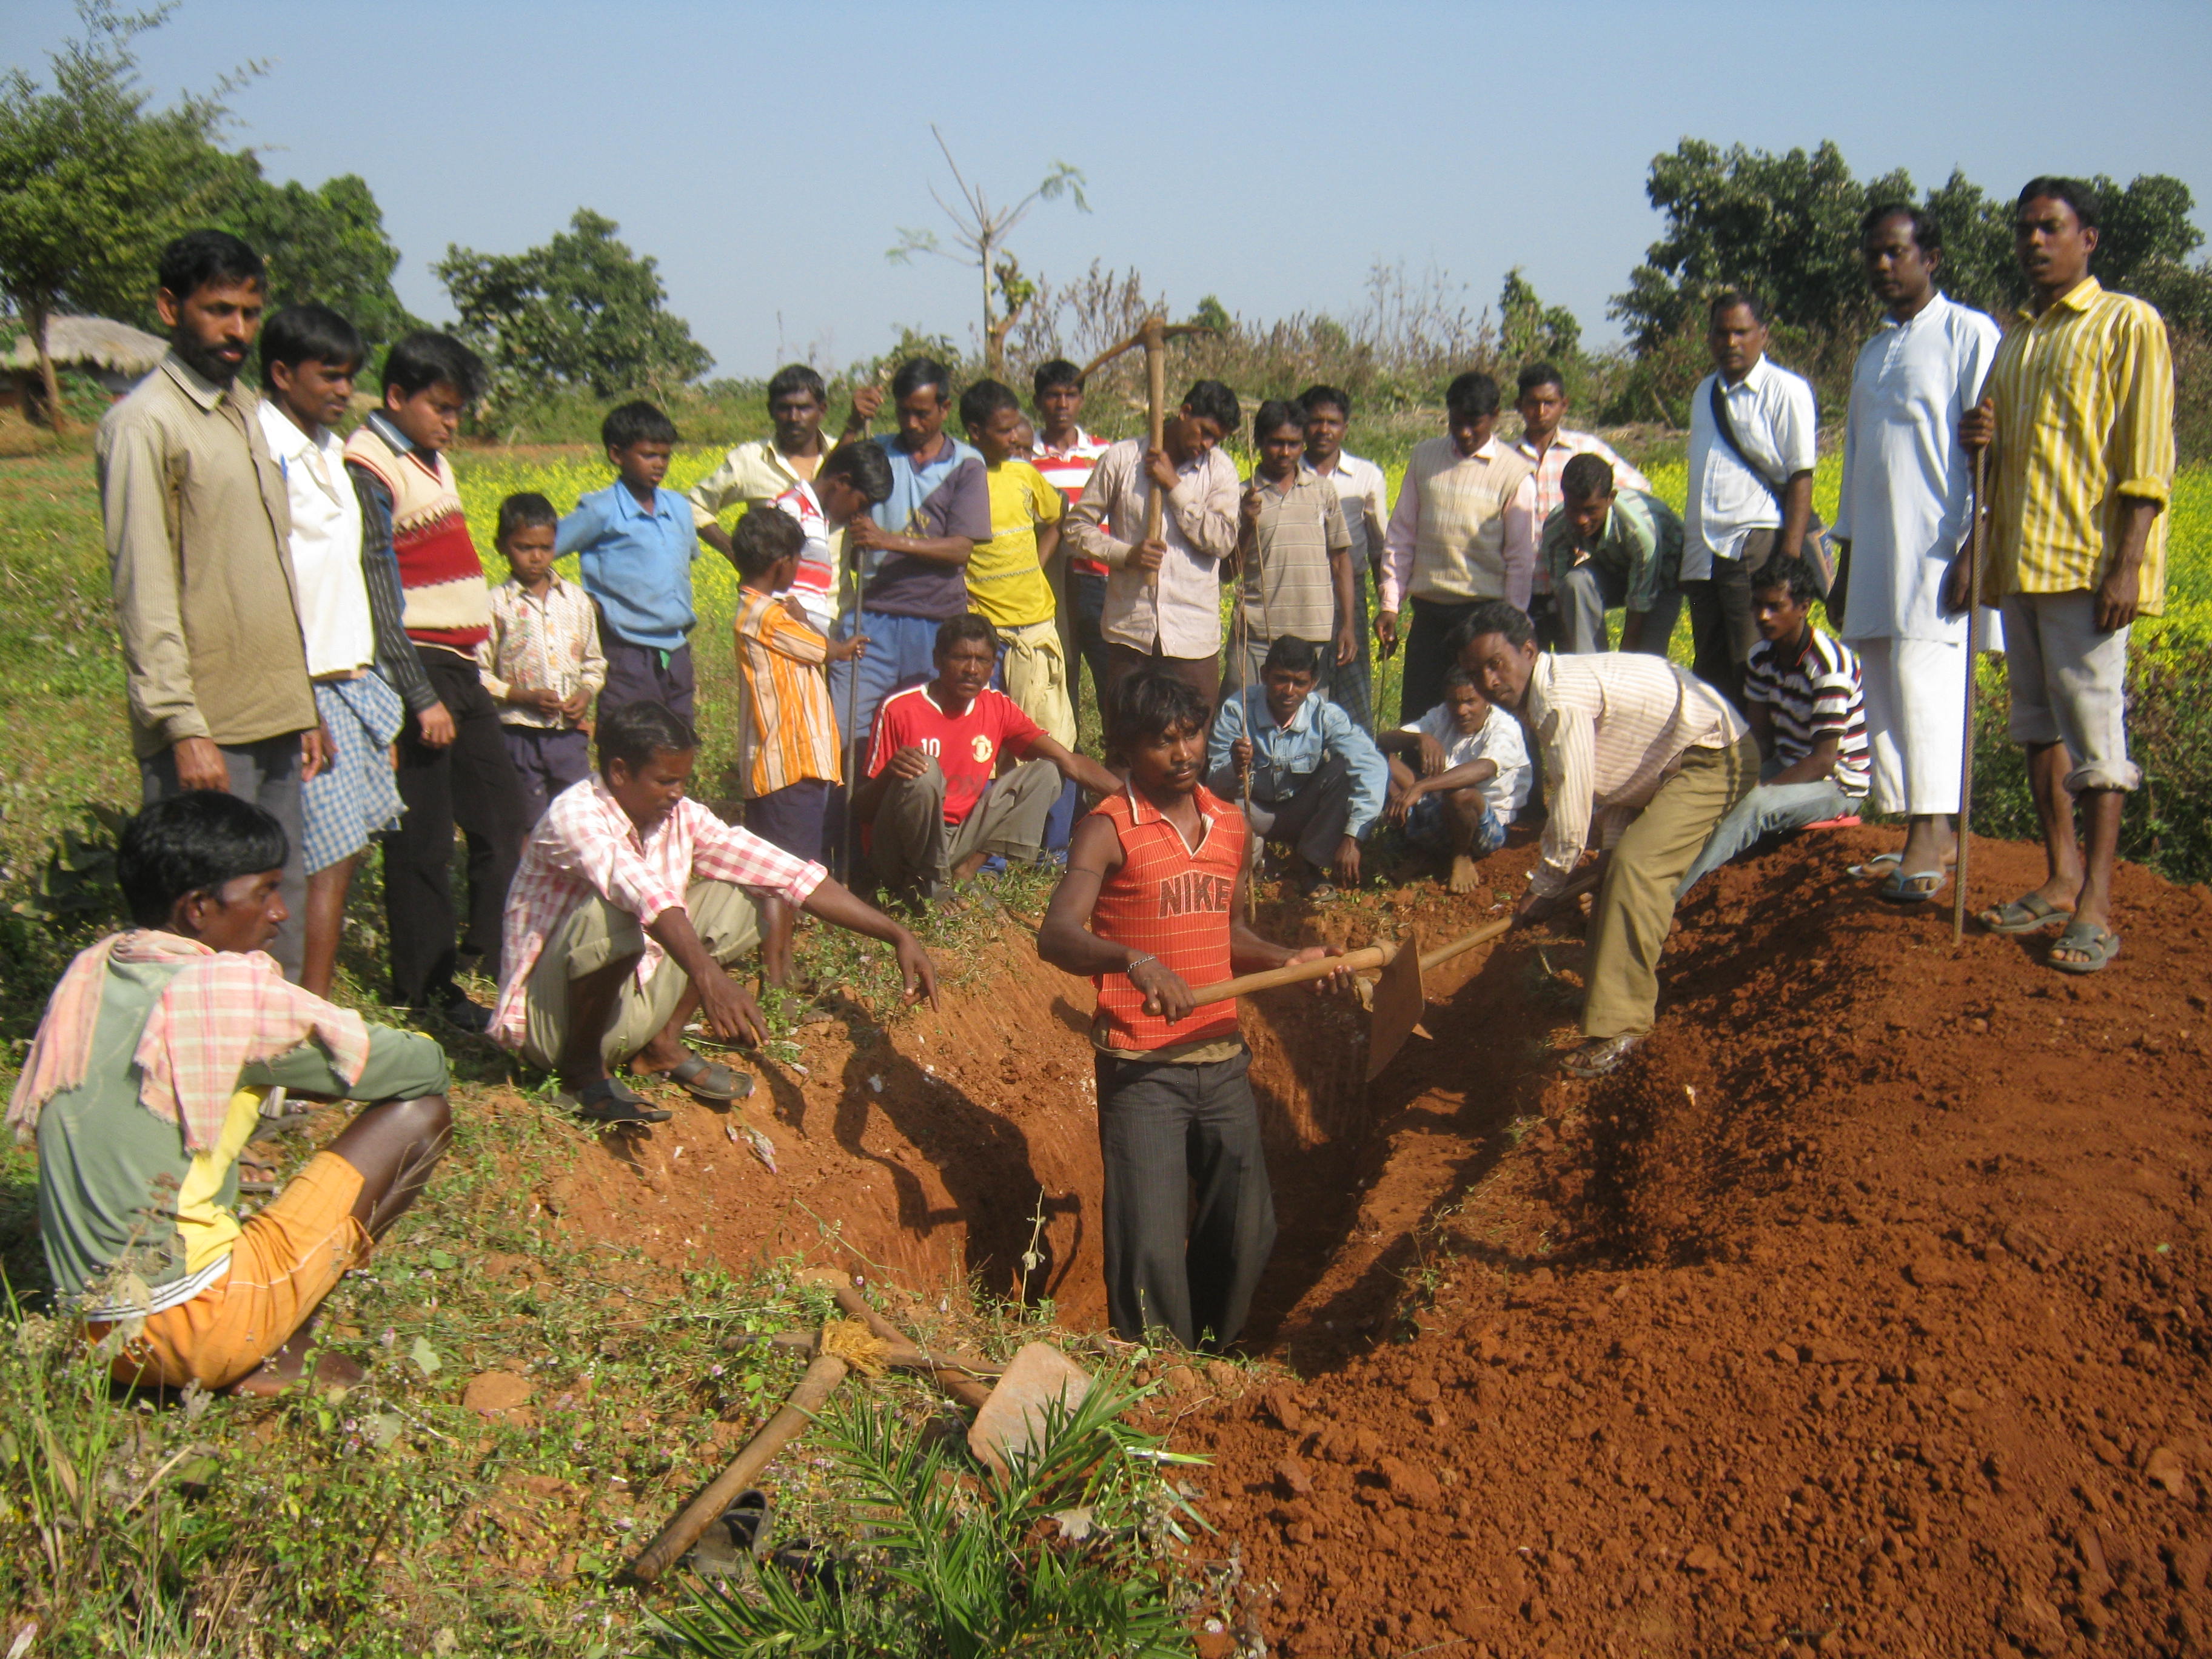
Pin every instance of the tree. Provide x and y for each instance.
(1528, 330)
(92, 181)
(979, 233)
(327, 244)
(583, 310)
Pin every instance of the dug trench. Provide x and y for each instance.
(1862, 1314)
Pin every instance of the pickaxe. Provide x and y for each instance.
(1400, 997)
(1153, 336)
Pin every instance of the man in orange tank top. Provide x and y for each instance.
(1153, 902)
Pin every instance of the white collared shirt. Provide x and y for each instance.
(326, 545)
(1771, 412)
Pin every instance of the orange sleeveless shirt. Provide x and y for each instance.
(1169, 901)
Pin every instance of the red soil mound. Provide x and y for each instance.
(1861, 1314)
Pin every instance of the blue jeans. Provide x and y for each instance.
(1770, 808)
(1428, 828)
(901, 653)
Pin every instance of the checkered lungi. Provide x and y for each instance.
(355, 796)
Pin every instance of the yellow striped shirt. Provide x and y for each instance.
(2084, 396)
(787, 729)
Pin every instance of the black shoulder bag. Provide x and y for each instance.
(1830, 569)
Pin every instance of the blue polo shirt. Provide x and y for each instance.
(949, 496)
(636, 563)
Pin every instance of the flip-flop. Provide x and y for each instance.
(1880, 865)
(710, 1081)
(612, 1100)
(2099, 945)
(1901, 888)
(2031, 913)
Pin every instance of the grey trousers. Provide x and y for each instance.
(267, 774)
(1314, 820)
(914, 849)
(1172, 1134)
(1583, 598)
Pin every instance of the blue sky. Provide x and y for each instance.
(1269, 154)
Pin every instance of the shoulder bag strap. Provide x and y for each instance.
(1726, 428)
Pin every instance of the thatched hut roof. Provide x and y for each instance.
(93, 342)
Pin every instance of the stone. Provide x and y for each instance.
(1702, 1557)
(2165, 1469)
(1292, 1477)
(494, 1394)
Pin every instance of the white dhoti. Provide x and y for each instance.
(1916, 709)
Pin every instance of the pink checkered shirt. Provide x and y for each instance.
(1564, 447)
(585, 845)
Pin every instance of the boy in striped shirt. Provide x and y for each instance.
(1803, 695)
(787, 730)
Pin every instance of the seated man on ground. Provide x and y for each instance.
(1604, 549)
(631, 902)
(1153, 904)
(1644, 756)
(147, 1078)
(1802, 693)
(1471, 777)
(936, 799)
(1318, 783)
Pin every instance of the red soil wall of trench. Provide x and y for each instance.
(1864, 1314)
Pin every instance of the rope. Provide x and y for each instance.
(853, 1342)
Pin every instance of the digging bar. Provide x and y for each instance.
(1966, 753)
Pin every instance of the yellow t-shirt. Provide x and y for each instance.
(1005, 582)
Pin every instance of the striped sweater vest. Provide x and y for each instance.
(1460, 552)
(447, 600)
(1172, 902)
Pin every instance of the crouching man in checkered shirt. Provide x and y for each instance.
(631, 902)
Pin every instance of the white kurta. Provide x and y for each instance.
(1906, 482)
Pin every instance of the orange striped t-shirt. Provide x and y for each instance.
(787, 729)
(1172, 900)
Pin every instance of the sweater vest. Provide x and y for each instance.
(1171, 902)
(447, 601)
(1460, 552)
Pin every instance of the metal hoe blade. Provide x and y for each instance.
(1399, 1005)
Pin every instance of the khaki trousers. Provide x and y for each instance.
(597, 932)
(1035, 670)
(1636, 905)
(914, 849)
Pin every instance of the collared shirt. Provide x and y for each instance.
(1067, 468)
(1291, 588)
(636, 562)
(1006, 585)
(1498, 740)
(198, 524)
(335, 622)
(787, 728)
(1612, 728)
(549, 644)
(1181, 609)
(585, 845)
(1816, 695)
(2085, 418)
(1564, 447)
(749, 474)
(1770, 411)
(1285, 757)
(1907, 483)
(1364, 495)
(967, 746)
(1641, 542)
(1465, 528)
(946, 495)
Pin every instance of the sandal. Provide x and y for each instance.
(612, 1100)
(2031, 913)
(1880, 865)
(710, 1081)
(1915, 888)
(2098, 946)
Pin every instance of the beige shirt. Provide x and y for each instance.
(749, 475)
(198, 526)
(1613, 727)
(1182, 611)
(1464, 528)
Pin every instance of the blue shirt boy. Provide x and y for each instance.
(1285, 757)
(636, 562)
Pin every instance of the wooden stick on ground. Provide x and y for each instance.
(822, 1378)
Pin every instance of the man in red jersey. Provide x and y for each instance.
(1153, 903)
